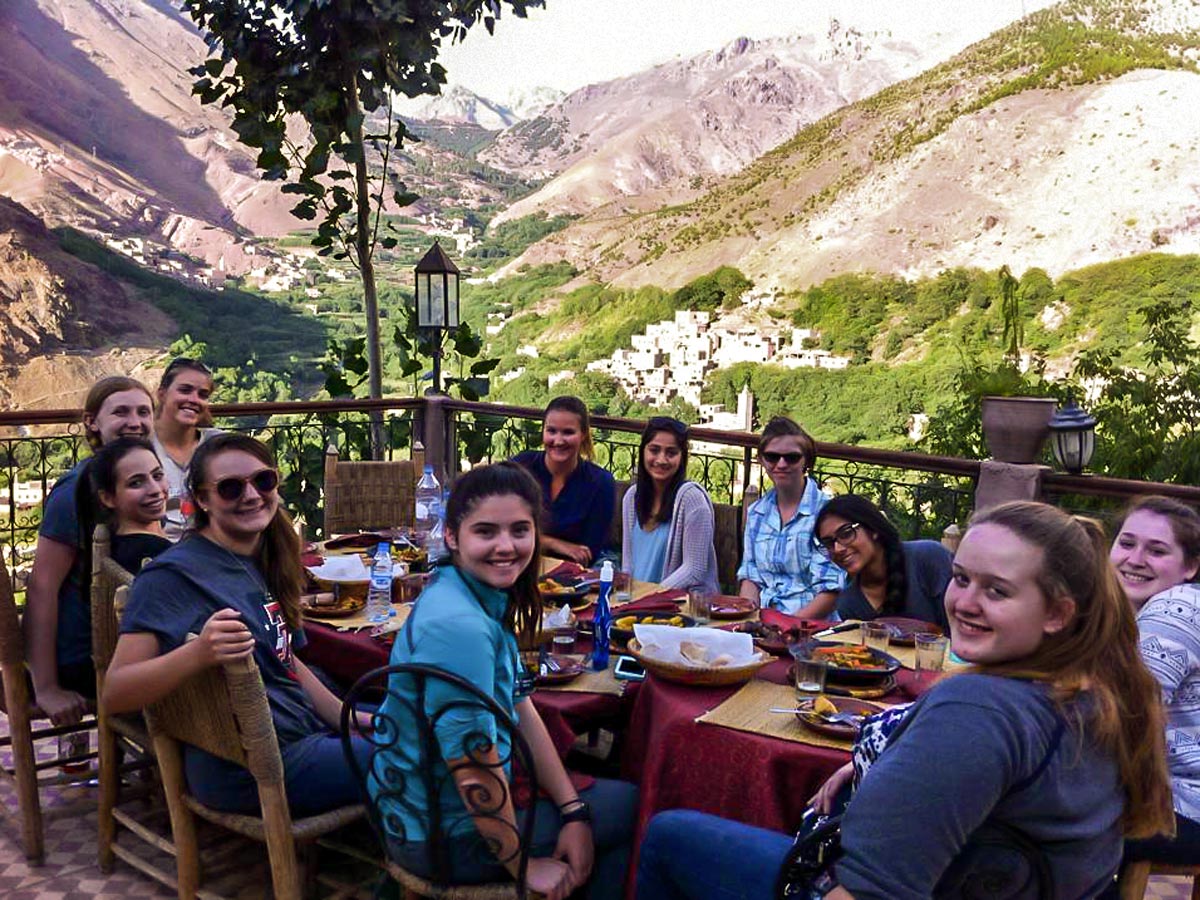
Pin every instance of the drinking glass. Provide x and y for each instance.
(700, 605)
(877, 635)
(810, 679)
(564, 638)
(622, 590)
(931, 652)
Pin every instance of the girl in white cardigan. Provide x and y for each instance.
(668, 521)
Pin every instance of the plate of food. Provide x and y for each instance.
(553, 669)
(416, 557)
(771, 638)
(904, 629)
(327, 605)
(837, 717)
(622, 626)
(556, 592)
(726, 606)
(851, 663)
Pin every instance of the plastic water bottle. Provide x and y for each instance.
(435, 540)
(429, 497)
(602, 620)
(379, 594)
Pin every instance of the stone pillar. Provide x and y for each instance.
(1000, 482)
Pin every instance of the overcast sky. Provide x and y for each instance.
(571, 43)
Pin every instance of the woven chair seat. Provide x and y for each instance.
(431, 891)
(303, 830)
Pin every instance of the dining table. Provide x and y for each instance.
(676, 757)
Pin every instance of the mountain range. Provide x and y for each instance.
(1061, 140)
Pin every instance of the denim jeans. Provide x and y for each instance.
(614, 806)
(689, 855)
(316, 775)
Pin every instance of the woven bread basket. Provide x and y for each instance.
(699, 676)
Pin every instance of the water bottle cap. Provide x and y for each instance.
(428, 468)
(384, 547)
(606, 570)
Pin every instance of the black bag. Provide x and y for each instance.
(807, 870)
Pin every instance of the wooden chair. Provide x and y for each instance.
(1136, 876)
(361, 496)
(616, 531)
(119, 737)
(727, 539)
(401, 720)
(17, 704)
(223, 711)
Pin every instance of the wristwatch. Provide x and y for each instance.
(581, 813)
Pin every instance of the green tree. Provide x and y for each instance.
(330, 64)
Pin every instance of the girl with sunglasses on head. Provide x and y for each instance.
(58, 612)
(1156, 557)
(130, 493)
(235, 582)
(1016, 778)
(579, 496)
(467, 622)
(887, 576)
(180, 426)
(781, 567)
(668, 520)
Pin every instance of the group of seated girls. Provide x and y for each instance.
(805, 554)
(235, 583)
(139, 488)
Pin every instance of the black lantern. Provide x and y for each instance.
(437, 301)
(1073, 437)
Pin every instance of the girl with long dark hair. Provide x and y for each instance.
(668, 520)
(236, 583)
(130, 495)
(887, 576)
(469, 621)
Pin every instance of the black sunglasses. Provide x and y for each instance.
(666, 423)
(187, 362)
(772, 458)
(841, 537)
(264, 481)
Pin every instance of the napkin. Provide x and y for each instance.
(662, 642)
(568, 568)
(784, 621)
(350, 568)
(660, 601)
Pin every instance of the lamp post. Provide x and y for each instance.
(437, 302)
(1073, 437)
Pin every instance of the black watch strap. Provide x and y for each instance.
(580, 813)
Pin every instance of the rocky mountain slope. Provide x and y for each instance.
(671, 127)
(59, 317)
(1056, 142)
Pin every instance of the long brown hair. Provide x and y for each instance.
(1097, 653)
(524, 613)
(278, 553)
(101, 391)
(576, 407)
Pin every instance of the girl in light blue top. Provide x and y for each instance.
(467, 623)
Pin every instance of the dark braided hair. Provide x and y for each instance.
(862, 511)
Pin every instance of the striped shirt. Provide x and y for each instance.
(781, 557)
(1169, 630)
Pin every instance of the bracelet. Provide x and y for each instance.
(572, 802)
(581, 813)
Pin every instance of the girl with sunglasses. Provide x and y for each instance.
(180, 426)
(1020, 774)
(780, 567)
(130, 492)
(468, 622)
(668, 520)
(235, 582)
(888, 577)
(579, 496)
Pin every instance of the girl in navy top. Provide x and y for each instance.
(579, 497)
(888, 577)
(1055, 732)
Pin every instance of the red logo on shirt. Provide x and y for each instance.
(283, 636)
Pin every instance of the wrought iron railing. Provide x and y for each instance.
(922, 493)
